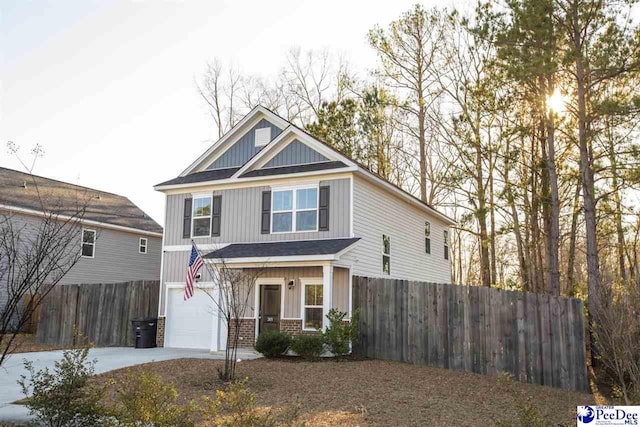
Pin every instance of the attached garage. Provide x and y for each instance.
(194, 323)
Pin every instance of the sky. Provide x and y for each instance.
(107, 87)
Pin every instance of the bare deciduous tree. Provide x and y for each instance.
(35, 254)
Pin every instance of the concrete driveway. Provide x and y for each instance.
(108, 359)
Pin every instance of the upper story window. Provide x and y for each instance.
(201, 218)
(294, 210)
(88, 243)
(142, 245)
(427, 237)
(446, 244)
(386, 254)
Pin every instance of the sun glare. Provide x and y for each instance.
(556, 103)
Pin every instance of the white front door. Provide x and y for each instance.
(191, 323)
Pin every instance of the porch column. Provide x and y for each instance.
(327, 293)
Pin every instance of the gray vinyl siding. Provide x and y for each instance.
(241, 216)
(244, 148)
(175, 269)
(377, 212)
(117, 259)
(116, 256)
(296, 153)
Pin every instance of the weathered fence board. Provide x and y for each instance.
(536, 338)
(101, 312)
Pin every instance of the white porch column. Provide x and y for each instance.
(327, 293)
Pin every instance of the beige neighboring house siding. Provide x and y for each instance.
(241, 216)
(377, 212)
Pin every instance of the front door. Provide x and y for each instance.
(269, 315)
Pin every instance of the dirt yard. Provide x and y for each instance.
(371, 393)
(25, 343)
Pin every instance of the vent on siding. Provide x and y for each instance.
(263, 136)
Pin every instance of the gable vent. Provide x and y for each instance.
(263, 136)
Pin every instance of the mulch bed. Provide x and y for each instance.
(369, 392)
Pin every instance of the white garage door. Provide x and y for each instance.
(190, 324)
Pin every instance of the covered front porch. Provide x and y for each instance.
(293, 288)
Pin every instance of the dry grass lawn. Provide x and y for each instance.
(370, 392)
(26, 343)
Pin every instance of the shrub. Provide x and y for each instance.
(272, 343)
(63, 397)
(340, 334)
(235, 407)
(143, 399)
(529, 415)
(308, 346)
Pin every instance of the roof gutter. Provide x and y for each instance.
(82, 221)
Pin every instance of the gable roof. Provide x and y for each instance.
(255, 114)
(24, 191)
(338, 162)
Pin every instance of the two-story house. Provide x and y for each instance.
(269, 196)
(116, 240)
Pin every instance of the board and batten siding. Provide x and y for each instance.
(296, 153)
(244, 148)
(241, 217)
(175, 268)
(377, 212)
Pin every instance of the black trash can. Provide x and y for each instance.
(144, 332)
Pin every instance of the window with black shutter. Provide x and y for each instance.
(323, 208)
(216, 216)
(266, 212)
(186, 221)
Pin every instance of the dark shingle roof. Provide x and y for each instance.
(278, 249)
(25, 191)
(294, 169)
(209, 175)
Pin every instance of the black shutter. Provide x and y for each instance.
(323, 208)
(266, 212)
(216, 215)
(186, 222)
(427, 245)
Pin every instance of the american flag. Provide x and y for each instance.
(195, 264)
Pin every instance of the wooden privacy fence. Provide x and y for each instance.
(536, 338)
(102, 312)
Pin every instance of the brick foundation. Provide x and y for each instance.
(247, 335)
(294, 327)
(160, 332)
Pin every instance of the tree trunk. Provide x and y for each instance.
(617, 214)
(571, 260)
(586, 170)
(553, 238)
(481, 216)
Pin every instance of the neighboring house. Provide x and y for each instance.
(268, 195)
(117, 241)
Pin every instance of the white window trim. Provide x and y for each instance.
(294, 210)
(445, 237)
(193, 213)
(82, 243)
(146, 245)
(305, 282)
(386, 254)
